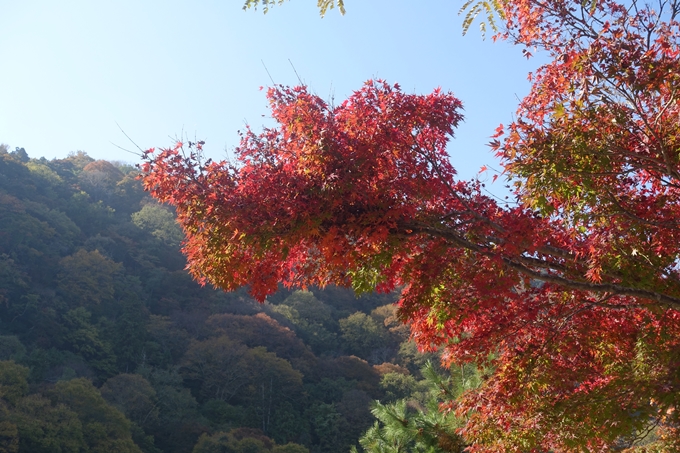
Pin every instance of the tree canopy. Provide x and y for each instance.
(571, 293)
(107, 345)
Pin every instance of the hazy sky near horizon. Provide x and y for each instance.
(72, 71)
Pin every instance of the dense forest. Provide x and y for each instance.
(106, 343)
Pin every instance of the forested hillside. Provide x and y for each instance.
(108, 345)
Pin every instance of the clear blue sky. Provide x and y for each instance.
(72, 69)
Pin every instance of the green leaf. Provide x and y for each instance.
(492, 9)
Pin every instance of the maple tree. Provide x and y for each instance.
(571, 294)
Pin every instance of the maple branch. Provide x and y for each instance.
(517, 265)
(627, 213)
(435, 165)
(600, 303)
(662, 299)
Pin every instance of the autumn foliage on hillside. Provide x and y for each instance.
(571, 294)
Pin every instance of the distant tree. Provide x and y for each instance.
(160, 222)
(413, 359)
(20, 154)
(126, 324)
(288, 423)
(272, 382)
(44, 427)
(45, 173)
(362, 335)
(16, 177)
(125, 167)
(106, 168)
(354, 407)
(11, 348)
(167, 343)
(290, 448)
(133, 396)
(177, 429)
(398, 386)
(87, 278)
(312, 320)
(13, 381)
(235, 441)
(263, 330)
(329, 389)
(9, 433)
(83, 338)
(352, 368)
(217, 366)
(17, 301)
(128, 194)
(79, 160)
(99, 179)
(388, 316)
(221, 415)
(219, 442)
(310, 308)
(90, 217)
(29, 239)
(105, 429)
(326, 427)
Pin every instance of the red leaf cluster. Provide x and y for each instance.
(572, 295)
